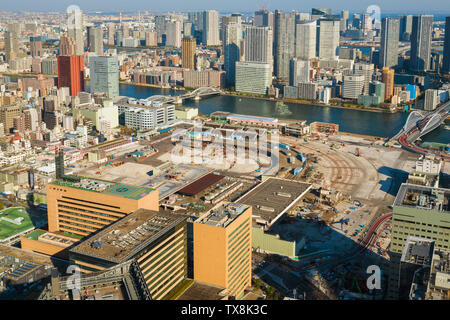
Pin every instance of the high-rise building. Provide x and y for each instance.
(446, 58)
(104, 73)
(284, 40)
(157, 245)
(253, 77)
(264, 18)
(431, 99)
(232, 38)
(352, 87)
(328, 41)
(223, 247)
(71, 73)
(344, 20)
(66, 46)
(111, 32)
(305, 39)
(389, 42)
(388, 80)
(366, 22)
(365, 70)
(11, 45)
(36, 46)
(75, 29)
(173, 35)
(31, 119)
(82, 206)
(151, 38)
(258, 44)
(405, 27)
(7, 115)
(188, 48)
(300, 71)
(210, 28)
(95, 40)
(421, 43)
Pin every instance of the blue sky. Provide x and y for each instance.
(387, 6)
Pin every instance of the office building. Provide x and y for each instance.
(344, 20)
(431, 99)
(151, 38)
(223, 247)
(95, 40)
(232, 38)
(173, 35)
(104, 72)
(155, 241)
(66, 46)
(305, 40)
(328, 41)
(259, 44)
(188, 49)
(366, 70)
(264, 18)
(111, 29)
(144, 117)
(7, 115)
(421, 43)
(387, 77)
(284, 40)
(71, 73)
(75, 29)
(300, 71)
(11, 46)
(353, 86)
(405, 27)
(210, 28)
(36, 47)
(446, 58)
(81, 206)
(253, 77)
(389, 43)
(204, 78)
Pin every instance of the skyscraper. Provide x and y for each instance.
(264, 18)
(71, 73)
(344, 20)
(173, 35)
(328, 38)
(232, 45)
(421, 43)
(389, 42)
(188, 47)
(95, 40)
(75, 28)
(405, 27)
(66, 46)
(210, 28)
(11, 45)
(258, 44)
(388, 80)
(446, 60)
(284, 43)
(104, 71)
(305, 40)
(365, 70)
(300, 71)
(36, 47)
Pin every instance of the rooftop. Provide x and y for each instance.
(124, 238)
(203, 291)
(223, 214)
(101, 186)
(423, 197)
(418, 250)
(273, 197)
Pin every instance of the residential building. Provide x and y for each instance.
(188, 48)
(421, 43)
(389, 42)
(353, 86)
(305, 40)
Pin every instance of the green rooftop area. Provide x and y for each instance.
(13, 221)
(34, 235)
(108, 187)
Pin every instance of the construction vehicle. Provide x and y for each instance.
(358, 153)
(342, 221)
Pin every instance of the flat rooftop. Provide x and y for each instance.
(272, 198)
(418, 251)
(423, 197)
(124, 238)
(223, 214)
(106, 187)
(203, 291)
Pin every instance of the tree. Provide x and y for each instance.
(257, 284)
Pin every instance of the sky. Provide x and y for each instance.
(157, 6)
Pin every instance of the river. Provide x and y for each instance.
(354, 121)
